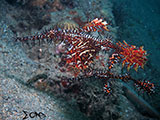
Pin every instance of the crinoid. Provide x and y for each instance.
(132, 55)
(78, 50)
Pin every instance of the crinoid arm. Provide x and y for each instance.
(107, 88)
(43, 35)
(132, 56)
(141, 85)
(145, 86)
(96, 25)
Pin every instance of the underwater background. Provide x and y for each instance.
(32, 81)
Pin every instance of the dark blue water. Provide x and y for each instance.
(139, 24)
